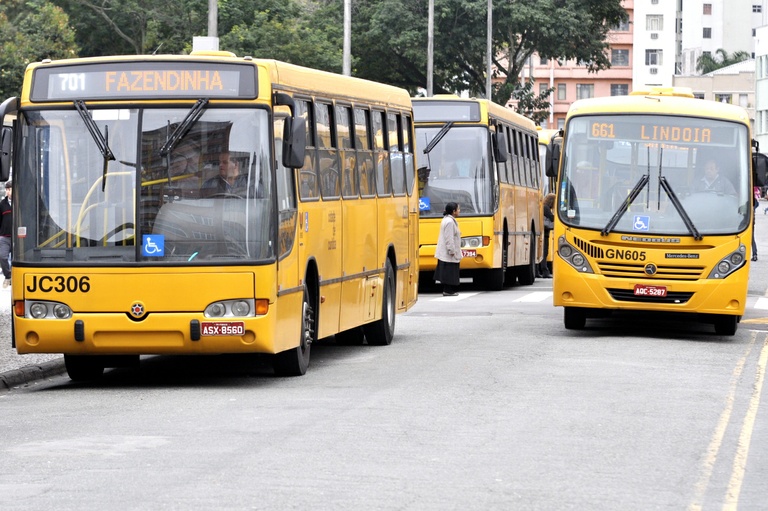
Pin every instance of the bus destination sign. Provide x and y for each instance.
(144, 80)
(662, 132)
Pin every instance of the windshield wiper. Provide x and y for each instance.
(663, 183)
(102, 141)
(184, 126)
(440, 134)
(642, 182)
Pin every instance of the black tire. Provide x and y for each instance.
(352, 337)
(381, 332)
(494, 278)
(574, 318)
(294, 362)
(726, 324)
(84, 367)
(527, 274)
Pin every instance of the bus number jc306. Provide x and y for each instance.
(59, 284)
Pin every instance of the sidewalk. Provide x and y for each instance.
(18, 369)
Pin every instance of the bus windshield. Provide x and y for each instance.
(455, 168)
(124, 185)
(661, 175)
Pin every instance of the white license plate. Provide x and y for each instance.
(646, 290)
(469, 253)
(211, 328)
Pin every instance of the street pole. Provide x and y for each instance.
(430, 47)
(213, 16)
(489, 49)
(347, 50)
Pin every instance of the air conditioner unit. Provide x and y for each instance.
(654, 70)
(654, 36)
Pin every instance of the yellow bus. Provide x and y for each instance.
(485, 158)
(208, 204)
(640, 223)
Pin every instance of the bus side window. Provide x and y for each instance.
(307, 175)
(327, 154)
(365, 167)
(381, 150)
(410, 169)
(347, 156)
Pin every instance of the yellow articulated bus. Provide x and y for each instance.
(485, 158)
(654, 208)
(207, 204)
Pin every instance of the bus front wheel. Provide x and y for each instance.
(726, 324)
(294, 362)
(381, 332)
(574, 318)
(84, 367)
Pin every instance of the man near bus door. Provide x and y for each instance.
(6, 230)
(448, 251)
(713, 181)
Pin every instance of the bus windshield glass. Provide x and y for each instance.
(454, 169)
(195, 195)
(659, 175)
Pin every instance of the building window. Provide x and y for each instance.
(757, 8)
(707, 33)
(654, 22)
(585, 90)
(543, 88)
(619, 57)
(723, 98)
(698, 95)
(744, 100)
(653, 57)
(561, 92)
(707, 8)
(654, 2)
(543, 61)
(623, 26)
(560, 123)
(619, 89)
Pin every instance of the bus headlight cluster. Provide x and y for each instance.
(230, 309)
(572, 256)
(472, 242)
(48, 310)
(729, 263)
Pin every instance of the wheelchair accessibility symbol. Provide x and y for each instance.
(641, 223)
(425, 204)
(153, 245)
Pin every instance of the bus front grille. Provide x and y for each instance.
(612, 269)
(628, 295)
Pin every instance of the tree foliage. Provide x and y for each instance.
(706, 63)
(31, 31)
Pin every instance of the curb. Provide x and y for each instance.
(28, 374)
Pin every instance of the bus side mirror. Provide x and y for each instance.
(500, 152)
(759, 169)
(294, 143)
(553, 159)
(6, 142)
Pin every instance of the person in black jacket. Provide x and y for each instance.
(549, 223)
(6, 229)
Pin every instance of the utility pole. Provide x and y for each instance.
(213, 18)
(489, 49)
(347, 50)
(430, 47)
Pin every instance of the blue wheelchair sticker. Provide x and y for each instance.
(641, 223)
(425, 204)
(153, 245)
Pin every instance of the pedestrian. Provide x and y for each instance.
(6, 229)
(549, 224)
(756, 201)
(448, 251)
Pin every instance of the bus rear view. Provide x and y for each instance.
(654, 209)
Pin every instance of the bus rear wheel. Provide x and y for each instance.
(294, 362)
(574, 318)
(381, 332)
(726, 324)
(84, 367)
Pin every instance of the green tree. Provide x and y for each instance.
(30, 31)
(706, 63)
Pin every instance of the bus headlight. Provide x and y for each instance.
(572, 256)
(729, 263)
(472, 242)
(578, 259)
(47, 310)
(231, 309)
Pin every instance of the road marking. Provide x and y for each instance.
(536, 296)
(761, 303)
(716, 441)
(745, 438)
(461, 296)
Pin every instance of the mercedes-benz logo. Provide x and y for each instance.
(650, 269)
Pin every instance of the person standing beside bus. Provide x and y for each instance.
(448, 251)
(6, 230)
(549, 224)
